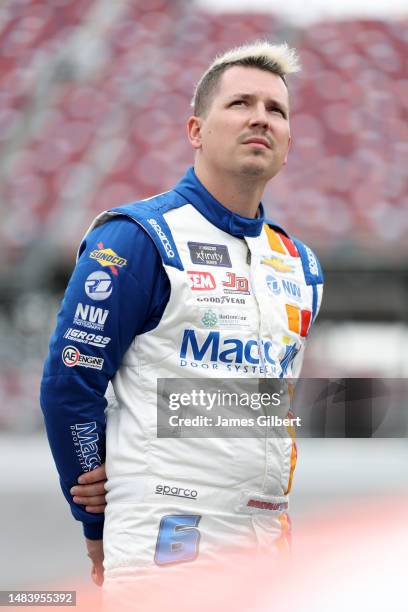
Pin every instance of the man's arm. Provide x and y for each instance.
(104, 308)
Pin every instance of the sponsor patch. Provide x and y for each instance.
(163, 238)
(176, 491)
(313, 266)
(262, 504)
(273, 284)
(277, 264)
(205, 254)
(98, 286)
(221, 299)
(235, 284)
(253, 503)
(201, 281)
(91, 317)
(291, 350)
(78, 335)
(106, 257)
(71, 357)
(290, 288)
(298, 320)
(85, 439)
(225, 320)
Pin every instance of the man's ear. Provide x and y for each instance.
(194, 131)
(285, 161)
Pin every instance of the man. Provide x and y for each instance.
(151, 278)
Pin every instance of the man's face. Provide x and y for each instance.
(246, 129)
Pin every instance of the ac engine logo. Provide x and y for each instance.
(72, 357)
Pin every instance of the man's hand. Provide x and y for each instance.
(90, 491)
(95, 553)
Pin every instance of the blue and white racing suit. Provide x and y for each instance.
(176, 286)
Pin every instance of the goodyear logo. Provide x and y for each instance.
(108, 257)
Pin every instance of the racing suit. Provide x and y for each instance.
(176, 286)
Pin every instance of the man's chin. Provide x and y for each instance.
(256, 169)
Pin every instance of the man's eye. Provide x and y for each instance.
(237, 102)
(278, 110)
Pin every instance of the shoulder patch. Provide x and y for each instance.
(149, 215)
(311, 266)
(279, 241)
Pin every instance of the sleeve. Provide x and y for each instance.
(118, 289)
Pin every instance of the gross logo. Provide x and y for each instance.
(98, 286)
(70, 356)
(273, 284)
(209, 318)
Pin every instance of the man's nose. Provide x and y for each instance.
(259, 116)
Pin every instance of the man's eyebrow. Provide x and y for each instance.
(247, 96)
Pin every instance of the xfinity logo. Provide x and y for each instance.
(165, 241)
(90, 316)
(176, 491)
(209, 254)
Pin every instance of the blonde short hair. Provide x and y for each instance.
(278, 59)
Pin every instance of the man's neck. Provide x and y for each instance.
(240, 195)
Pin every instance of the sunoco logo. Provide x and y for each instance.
(108, 257)
(164, 240)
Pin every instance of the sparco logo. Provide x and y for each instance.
(176, 491)
(162, 236)
(313, 267)
(85, 440)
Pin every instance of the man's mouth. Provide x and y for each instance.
(258, 142)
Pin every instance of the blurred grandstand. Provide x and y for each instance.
(93, 100)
